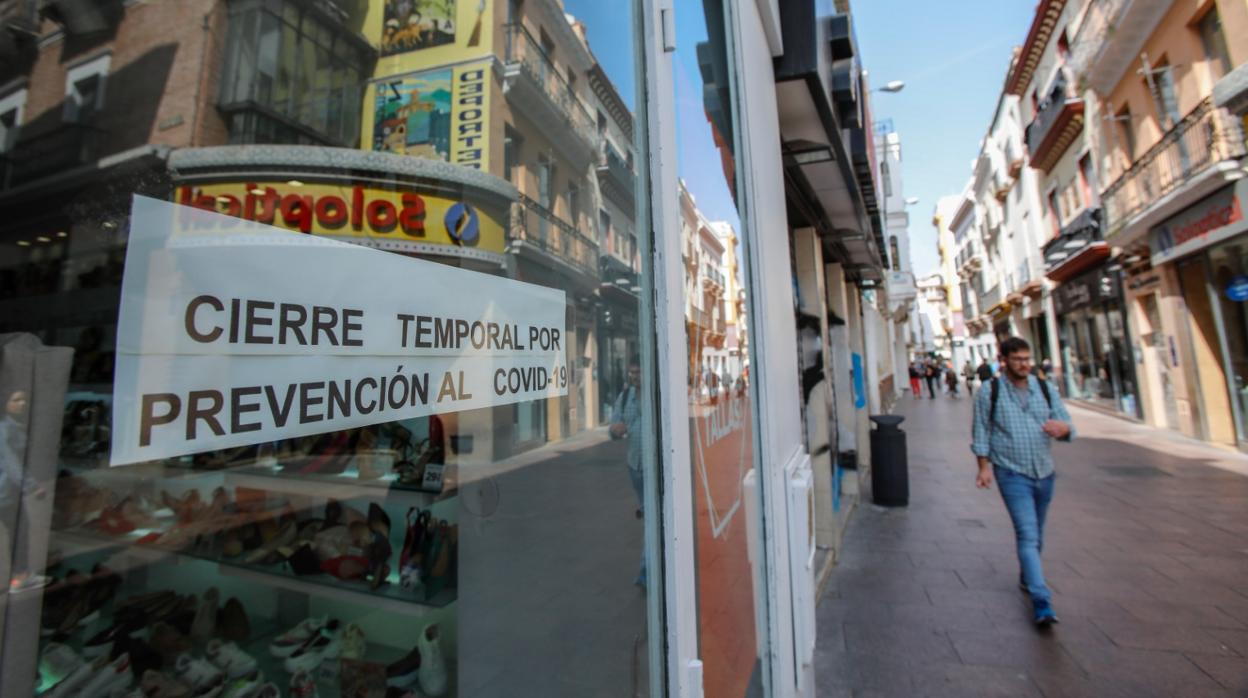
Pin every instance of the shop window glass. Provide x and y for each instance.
(1229, 264)
(721, 417)
(205, 481)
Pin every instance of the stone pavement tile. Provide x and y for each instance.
(985, 600)
(939, 618)
(1137, 575)
(1104, 589)
(1035, 653)
(1170, 671)
(1189, 614)
(1067, 686)
(1238, 611)
(913, 580)
(965, 681)
(876, 560)
(1161, 637)
(1083, 607)
(1236, 640)
(1231, 672)
(904, 645)
(1222, 566)
(1195, 590)
(855, 670)
(942, 560)
(832, 612)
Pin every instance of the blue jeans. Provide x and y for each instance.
(1027, 499)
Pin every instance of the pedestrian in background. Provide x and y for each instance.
(1016, 421)
(951, 379)
(929, 374)
(916, 388)
(968, 372)
(984, 372)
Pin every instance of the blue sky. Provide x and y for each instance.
(953, 57)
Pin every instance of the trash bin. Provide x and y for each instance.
(890, 478)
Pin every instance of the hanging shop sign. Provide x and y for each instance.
(405, 220)
(232, 332)
(1213, 219)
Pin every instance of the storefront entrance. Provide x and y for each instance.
(1095, 353)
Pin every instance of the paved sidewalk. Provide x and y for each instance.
(1146, 550)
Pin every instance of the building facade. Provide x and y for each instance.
(295, 288)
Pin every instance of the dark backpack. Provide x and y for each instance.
(996, 392)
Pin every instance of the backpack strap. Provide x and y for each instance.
(1048, 399)
(995, 392)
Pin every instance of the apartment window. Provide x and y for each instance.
(1087, 178)
(1160, 81)
(1063, 47)
(604, 228)
(888, 181)
(1126, 130)
(84, 89)
(574, 205)
(1214, 41)
(1055, 212)
(602, 124)
(11, 108)
(895, 252)
(293, 75)
(511, 153)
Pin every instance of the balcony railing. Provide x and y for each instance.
(1051, 132)
(713, 278)
(537, 226)
(523, 50)
(619, 178)
(50, 153)
(1207, 135)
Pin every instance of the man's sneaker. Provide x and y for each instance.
(229, 658)
(206, 680)
(290, 641)
(326, 644)
(1044, 615)
(110, 676)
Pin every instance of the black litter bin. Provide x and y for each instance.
(890, 477)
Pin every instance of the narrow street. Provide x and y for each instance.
(1144, 550)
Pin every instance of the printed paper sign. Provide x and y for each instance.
(233, 332)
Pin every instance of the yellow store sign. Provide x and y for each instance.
(353, 211)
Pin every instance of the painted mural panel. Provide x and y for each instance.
(412, 115)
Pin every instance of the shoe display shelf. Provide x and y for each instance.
(346, 485)
(124, 553)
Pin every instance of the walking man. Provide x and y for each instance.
(916, 388)
(929, 374)
(984, 373)
(1016, 420)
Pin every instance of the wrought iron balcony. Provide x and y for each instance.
(543, 93)
(53, 152)
(1056, 125)
(1206, 136)
(617, 179)
(536, 226)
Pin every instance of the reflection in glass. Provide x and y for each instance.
(716, 299)
(491, 551)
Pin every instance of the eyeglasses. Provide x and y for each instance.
(1019, 359)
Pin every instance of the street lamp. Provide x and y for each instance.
(894, 86)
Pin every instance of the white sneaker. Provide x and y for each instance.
(70, 685)
(230, 659)
(57, 662)
(245, 688)
(206, 680)
(432, 672)
(290, 641)
(326, 644)
(111, 677)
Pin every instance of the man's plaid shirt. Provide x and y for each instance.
(1014, 439)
